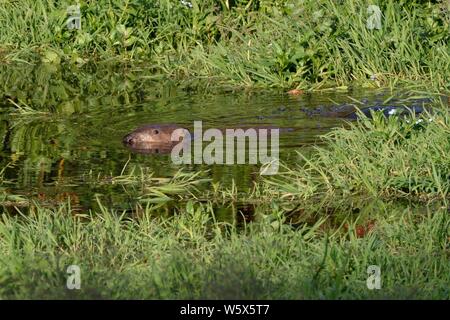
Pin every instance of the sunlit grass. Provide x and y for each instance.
(190, 255)
(285, 44)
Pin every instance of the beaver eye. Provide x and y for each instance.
(155, 131)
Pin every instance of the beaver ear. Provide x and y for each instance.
(156, 131)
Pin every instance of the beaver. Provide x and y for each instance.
(153, 138)
(157, 138)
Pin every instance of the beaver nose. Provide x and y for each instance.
(128, 139)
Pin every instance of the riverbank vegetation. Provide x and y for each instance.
(192, 255)
(242, 43)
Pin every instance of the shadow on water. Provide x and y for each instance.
(58, 125)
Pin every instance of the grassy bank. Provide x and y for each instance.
(192, 256)
(306, 44)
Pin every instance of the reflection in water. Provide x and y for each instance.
(84, 115)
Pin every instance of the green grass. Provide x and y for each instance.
(193, 256)
(285, 44)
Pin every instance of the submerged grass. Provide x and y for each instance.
(281, 43)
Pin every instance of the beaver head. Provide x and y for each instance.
(151, 138)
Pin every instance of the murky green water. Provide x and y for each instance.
(81, 116)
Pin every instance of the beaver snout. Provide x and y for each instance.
(128, 139)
